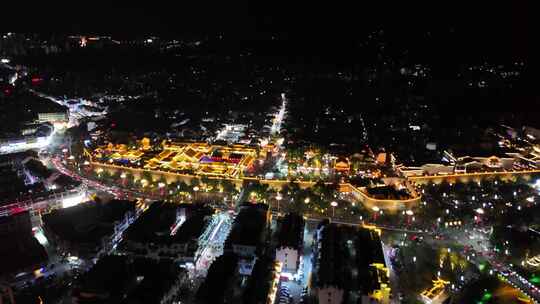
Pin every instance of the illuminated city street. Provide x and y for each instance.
(272, 155)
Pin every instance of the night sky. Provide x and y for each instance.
(502, 30)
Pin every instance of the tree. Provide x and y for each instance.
(162, 179)
(205, 180)
(260, 191)
(213, 183)
(291, 188)
(447, 271)
(181, 186)
(195, 182)
(297, 206)
(147, 176)
(321, 204)
(128, 180)
(228, 186)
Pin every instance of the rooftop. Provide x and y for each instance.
(19, 248)
(155, 224)
(388, 192)
(347, 257)
(38, 169)
(249, 225)
(260, 281)
(88, 222)
(157, 279)
(291, 233)
(216, 283)
(194, 225)
(19, 252)
(108, 279)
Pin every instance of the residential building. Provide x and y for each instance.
(121, 279)
(249, 230)
(349, 264)
(20, 251)
(167, 231)
(216, 287)
(263, 284)
(248, 235)
(290, 242)
(89, 229)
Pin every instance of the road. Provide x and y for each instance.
(278, 118)
(117, 192)
(212, 241)
(481, 253)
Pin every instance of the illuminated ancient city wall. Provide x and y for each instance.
(473, 177)
(369, 202)
(392, 205)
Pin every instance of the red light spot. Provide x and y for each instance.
(36, 80)
(16, 210)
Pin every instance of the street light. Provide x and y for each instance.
(375, 212)
(278, 198)
(334, 205)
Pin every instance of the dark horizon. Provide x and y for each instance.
(504, 29)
